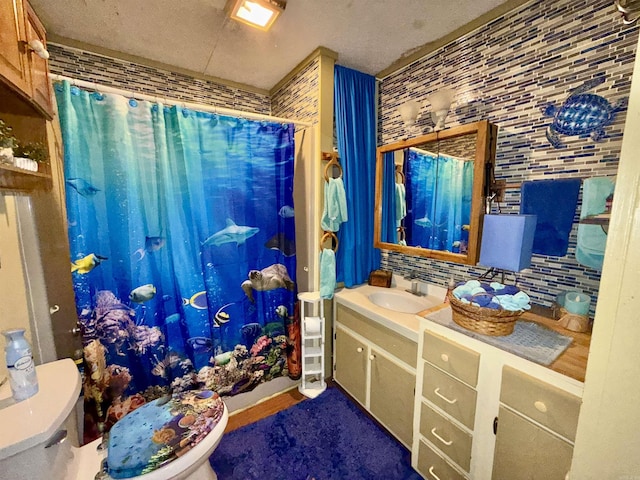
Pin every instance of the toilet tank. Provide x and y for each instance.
(37, 434)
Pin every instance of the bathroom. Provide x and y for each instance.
(501, 85)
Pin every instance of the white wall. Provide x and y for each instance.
(14, 311)
(608, 439)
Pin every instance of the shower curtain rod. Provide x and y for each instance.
(194, 106)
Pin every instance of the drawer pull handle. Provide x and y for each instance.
(359, 349)
(540, 406)
(449, 401)
(444, 357)
(372, 357)
(446, 442)
(431, 472)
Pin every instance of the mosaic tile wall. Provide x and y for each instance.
(92, 67)
(504, 72)
(299, 97)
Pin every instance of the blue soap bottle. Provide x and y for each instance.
(22, 370)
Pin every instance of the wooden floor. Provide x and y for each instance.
(264, 409)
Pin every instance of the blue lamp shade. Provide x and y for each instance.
(507, 241)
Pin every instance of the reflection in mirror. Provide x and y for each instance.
(429, 193)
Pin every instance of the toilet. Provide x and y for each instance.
(170, 438)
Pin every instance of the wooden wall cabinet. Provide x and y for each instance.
(25, 91)
(376, 366)
(38, 66)
(13, 61)
(23, 70)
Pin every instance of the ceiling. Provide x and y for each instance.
(196, 35)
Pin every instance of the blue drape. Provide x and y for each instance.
(438, 201)
(355, 113)
(181, 229)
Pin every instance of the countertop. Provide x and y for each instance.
(406, 324)
(571, 363)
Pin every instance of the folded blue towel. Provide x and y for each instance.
(592, 239)
(401, 203)
(335, 205)
(327, 273)
(554, 202)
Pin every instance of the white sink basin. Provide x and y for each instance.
(400, 301)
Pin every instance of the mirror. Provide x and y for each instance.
(430, 192)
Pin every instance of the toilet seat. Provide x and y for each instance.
(167, 438)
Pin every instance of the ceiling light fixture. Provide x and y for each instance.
(257, 13)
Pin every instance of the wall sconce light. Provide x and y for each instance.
(440, 104)
(409, 112)
(258, 13)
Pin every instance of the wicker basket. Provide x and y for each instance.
(487, 321)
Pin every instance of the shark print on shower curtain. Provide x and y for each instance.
(181, 229)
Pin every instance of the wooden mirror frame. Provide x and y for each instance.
(486, 134)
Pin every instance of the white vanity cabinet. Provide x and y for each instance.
(536, 429)
(468, 390)
(446, 399)
(376, 366)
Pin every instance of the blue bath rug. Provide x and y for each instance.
(327, 438)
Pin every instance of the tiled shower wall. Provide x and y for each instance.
(299, 97)
(112, 72)
(504, 72)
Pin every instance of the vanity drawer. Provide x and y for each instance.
(448, 438)
(544, 403)
(449, 394)
(434, 467)
(394, 343)
(455, 359)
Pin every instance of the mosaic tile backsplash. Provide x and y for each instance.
(507, 71)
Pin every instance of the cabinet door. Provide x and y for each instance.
(12, 59)
(391, 396)
(351, 365)
(38, 67)
(525, 451)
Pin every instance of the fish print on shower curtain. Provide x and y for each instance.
(438, 212)
(181, 229)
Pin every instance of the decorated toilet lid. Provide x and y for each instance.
(161, 431)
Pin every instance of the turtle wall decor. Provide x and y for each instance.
(581, 113)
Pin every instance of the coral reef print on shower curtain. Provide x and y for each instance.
(181, 227)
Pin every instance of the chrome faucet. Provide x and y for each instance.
(415, 284)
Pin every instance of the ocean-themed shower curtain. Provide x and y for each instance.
(438, 196)
(181, 229)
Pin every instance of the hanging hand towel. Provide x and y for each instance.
(327, 273)
(401, 203)
(592, 239)
(554, 202)
(335, 205)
